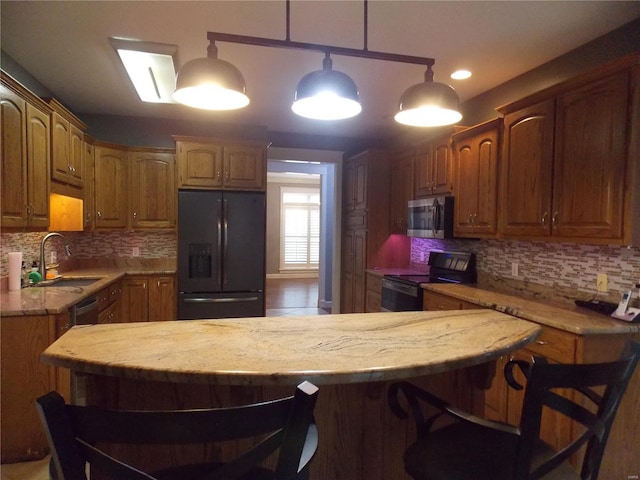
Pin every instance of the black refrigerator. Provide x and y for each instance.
(221, 254)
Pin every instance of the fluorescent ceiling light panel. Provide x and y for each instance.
(151, 68)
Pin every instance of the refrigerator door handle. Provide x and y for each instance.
(221, 300)
(219, 256)
(225, 210)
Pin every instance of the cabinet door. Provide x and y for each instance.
(360, 183)
(24, 378)
(555, 429)
(423, 170)
(38, 166)
(442, 179)
(199, 165)
(359, 265)
(60, 145)
(110, 188)
(346, 277)
(88, 192)
(162, 298)
(14, 159)
(348, 189)
(527, 168)
(76, 153)
(486, 218)
(477, 155)
(590, 158)
(152, 190)
(135, 299)
(466, 186)
(245, 168)
(401, 192)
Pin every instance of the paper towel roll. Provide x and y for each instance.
(15, 270)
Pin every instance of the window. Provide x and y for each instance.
(300, 238)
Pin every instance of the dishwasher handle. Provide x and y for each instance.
(83, 308)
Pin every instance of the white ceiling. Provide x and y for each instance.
(65, 46)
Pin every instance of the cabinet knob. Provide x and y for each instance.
(545, 215)
(219, 174)
(99, 214)
(554, 219)
(541, 342)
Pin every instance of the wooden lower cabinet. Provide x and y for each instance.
(25, 378)
(373, 300)
(149, 298)
(502, 403)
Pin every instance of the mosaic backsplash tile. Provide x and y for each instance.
(149, 245)
(556, 265)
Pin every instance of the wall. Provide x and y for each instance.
(563, 267)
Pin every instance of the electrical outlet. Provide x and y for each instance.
(136, 251)
(602, 282)
(514, 269)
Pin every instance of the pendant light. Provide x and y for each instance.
(211, 84)
(326, 94)
(429, 104)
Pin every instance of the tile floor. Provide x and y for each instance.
(284, 297)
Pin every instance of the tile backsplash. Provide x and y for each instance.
(555, 265)
(90, 245)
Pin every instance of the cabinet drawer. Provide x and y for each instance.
(115, 290)
(103, 299)
(554, 345)
(373, 302)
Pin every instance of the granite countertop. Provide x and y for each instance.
(54, 299)
(564, 317)
(326, 349)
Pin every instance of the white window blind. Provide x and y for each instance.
(300, 238)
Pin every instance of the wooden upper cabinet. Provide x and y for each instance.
(401, 190)
(25, 130)
(590, 157)
(152, 189)
(110, 187)
(476, 153)
(199, 165)
(214, 164)
(67, 146)
(527, 167)
(356, 182)
(245, 167)
(88, 189)
(434, 172)
(564, 163)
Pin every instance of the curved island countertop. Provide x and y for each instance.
(327, 349)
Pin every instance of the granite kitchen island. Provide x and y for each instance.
(352, 358)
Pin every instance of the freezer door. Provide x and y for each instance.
(244, 241)
(220, 305)
(200, 242)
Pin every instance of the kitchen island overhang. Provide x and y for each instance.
(327, 349)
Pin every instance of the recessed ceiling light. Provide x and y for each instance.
(461, 74)
(151, 68)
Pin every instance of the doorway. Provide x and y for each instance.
(291, 168)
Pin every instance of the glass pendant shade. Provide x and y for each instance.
(429, 104)
(210, 84)
(326, 95)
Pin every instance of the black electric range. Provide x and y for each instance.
(402, 293)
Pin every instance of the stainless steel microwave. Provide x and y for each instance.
(430, 217)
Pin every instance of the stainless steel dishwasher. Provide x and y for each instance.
(85, 312)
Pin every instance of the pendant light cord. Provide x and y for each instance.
(366, 25)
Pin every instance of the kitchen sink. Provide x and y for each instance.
(69, 282)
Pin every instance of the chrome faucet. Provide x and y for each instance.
(43, 268)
